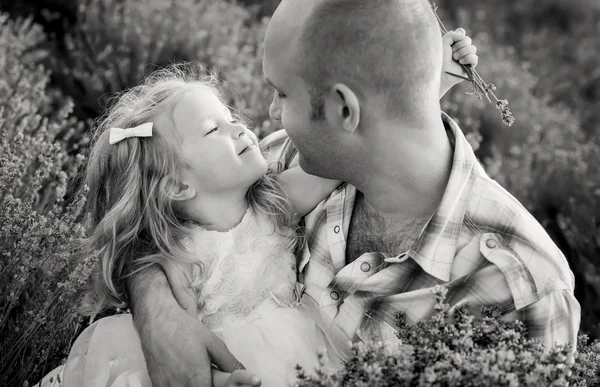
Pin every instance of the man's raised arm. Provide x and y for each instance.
(178, 348)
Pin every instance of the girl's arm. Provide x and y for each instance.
(305, 191)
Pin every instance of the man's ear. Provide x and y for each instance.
(343, 108)
(183, 192)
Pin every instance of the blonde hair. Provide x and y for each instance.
(134, 220)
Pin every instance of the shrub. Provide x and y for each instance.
(54, 16)
(115, 43)
(455, 349)
(38, 275)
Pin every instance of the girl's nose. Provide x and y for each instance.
(275, 108)
(237, 129)
(274, 112)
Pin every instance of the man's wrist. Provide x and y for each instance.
(148, 284)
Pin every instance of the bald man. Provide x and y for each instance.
(357, 87)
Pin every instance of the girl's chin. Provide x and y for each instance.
(259, 168)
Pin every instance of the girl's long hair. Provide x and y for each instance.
(134, 220)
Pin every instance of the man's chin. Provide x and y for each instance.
(303, 163)
(308, 167)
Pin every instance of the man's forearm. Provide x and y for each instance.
(175, 344)
(150, 297)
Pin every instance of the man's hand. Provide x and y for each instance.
(178, 348)
(458, 50)
(179, 352)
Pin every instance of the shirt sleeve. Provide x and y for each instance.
(554, 319)
(278, 148)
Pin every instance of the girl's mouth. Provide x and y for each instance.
(249, 147)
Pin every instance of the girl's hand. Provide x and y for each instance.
(238, 378)
(458, 50)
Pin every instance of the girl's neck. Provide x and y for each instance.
(220, 212)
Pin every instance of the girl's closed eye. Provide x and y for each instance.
(212, 130)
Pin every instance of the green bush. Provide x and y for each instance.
(38, 276)
(455, 349)
(115, 43)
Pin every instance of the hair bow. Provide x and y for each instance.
(118, 134)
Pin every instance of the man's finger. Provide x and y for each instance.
(220, 355)
(451, 37)
(245, 378)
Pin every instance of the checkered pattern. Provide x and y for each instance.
(481, 244)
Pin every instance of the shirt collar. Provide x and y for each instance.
(435, 249)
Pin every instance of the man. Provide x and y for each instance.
(356, 87)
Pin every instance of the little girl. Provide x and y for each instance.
(175, 176)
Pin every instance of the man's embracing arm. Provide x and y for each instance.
(178, 348)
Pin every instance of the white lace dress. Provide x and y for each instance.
(248, 298)
(251, 300)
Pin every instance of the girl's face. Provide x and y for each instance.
(221, 155)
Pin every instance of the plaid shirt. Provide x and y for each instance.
(481, 244)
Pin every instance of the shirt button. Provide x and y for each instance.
(334, 295)
(336, 229)
(365, 266)
(491, 243)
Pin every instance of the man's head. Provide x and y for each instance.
(340, 67)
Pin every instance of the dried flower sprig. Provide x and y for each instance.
(480, 87)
